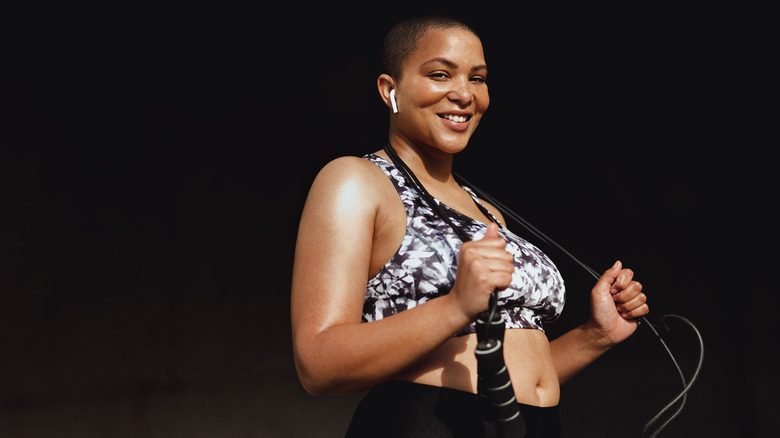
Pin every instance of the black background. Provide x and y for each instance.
(154, 164)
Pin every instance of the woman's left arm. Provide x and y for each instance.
(616, 301)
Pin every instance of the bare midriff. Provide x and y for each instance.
(527, 356)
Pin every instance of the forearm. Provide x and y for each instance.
(355, 357)
(576, 349)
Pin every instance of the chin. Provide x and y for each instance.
(453, 145)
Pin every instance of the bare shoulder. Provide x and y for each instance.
(348, 181)
(349, 170)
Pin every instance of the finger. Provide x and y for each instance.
(494, 266)
(636, 313)
(623, 280)
(492, 237)
(502, 265)
(491, 250)
(492, 230)
(498, 261)
(502, 279)
(606, 280)
(502, 276)
(628, 293)
(499, 254)
(493, 274)
(631, 305)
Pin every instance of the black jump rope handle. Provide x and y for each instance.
(493, 384)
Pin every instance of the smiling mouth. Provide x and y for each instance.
(455, 118)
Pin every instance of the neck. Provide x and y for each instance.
(429, 164)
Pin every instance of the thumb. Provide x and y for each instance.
(492, 230)
(604, 283)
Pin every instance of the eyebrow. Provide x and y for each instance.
(451, 64)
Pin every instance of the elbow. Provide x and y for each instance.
(310, 367)
(319, 379)
(313, 384)
(325, 369)
(320, 383)
(315, 379)
(316, 389)
(317, 384)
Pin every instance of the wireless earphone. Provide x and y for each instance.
(393, 102)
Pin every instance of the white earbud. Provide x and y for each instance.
(393, 102)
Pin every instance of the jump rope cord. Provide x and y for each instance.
(683, 395)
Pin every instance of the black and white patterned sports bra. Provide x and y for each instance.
(424, 266)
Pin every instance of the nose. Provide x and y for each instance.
(461, 94)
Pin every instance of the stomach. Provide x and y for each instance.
(526, 354)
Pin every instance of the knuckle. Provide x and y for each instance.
(497, 243)
(507, 279)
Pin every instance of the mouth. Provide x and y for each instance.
(457, 122)
(457, 118)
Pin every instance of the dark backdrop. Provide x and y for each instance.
(154, 164)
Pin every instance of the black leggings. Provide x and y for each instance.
(405, 410)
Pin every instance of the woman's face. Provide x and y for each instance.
(442, 93)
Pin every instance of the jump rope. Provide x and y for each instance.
(494, 386)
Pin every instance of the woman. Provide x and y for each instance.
(384, 296)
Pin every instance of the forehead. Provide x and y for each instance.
(457, 45)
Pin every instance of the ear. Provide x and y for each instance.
(385, 84)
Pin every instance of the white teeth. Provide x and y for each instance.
(456, 119)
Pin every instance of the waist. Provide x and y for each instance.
(526, 354)
(401, 409)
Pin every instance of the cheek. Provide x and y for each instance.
(427, 96)
(483, 101)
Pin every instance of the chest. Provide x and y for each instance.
(390, 224)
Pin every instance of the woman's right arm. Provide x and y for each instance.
(334, 351)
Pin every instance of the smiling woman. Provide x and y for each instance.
(394, 264)
(442, 91)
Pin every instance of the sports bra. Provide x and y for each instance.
(425, 264)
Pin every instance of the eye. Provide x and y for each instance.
(479, 79)
(439, 75)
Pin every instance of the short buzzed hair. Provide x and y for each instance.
(404, 38)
